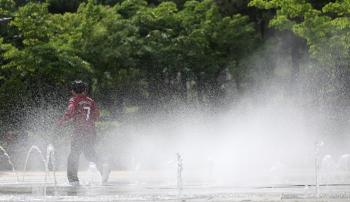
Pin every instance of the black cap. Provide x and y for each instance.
(78, 86)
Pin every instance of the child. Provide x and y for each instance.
(83, 112)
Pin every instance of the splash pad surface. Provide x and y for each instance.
(147, 186)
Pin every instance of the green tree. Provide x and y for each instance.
(39, 60)
(62, 6)
(325, 27)
(213, 43)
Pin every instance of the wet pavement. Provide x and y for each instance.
(148, 186)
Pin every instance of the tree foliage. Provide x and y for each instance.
(325, 28)
(132, 51)
(324, 25)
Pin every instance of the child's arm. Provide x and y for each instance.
(68, 114)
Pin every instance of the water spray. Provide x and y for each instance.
(326, 168)
(318, 146)
(50, 157)
(10, 162)
(33, 148)
(36, 148)
(179, 172)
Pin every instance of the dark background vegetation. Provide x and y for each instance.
(145, 56)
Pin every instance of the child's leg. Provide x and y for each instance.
(73, 160)
(89, 151)
(91, 155)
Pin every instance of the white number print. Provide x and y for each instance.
(88, 109)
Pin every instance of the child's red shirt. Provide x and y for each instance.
(83, 112)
